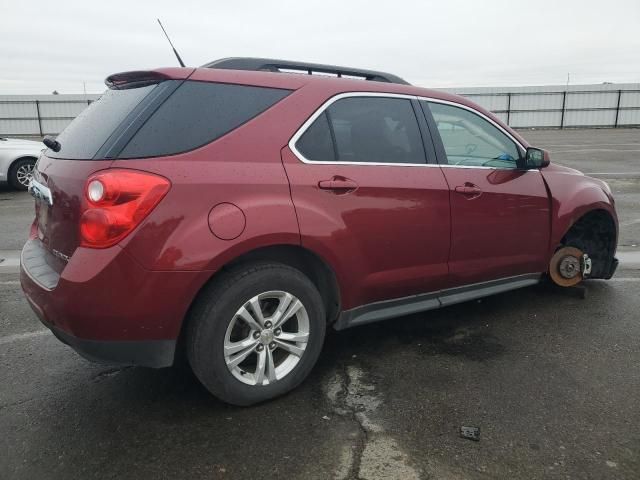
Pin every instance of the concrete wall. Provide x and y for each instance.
(551, 106)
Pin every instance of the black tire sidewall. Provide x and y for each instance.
(13, 173)
(206, 349)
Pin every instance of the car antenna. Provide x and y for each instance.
(170, 43)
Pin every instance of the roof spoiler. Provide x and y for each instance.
(287, 66)
(135, 79)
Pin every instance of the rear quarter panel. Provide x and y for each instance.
(242, 168)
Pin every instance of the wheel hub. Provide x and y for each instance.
(569, 267)
(266, 336)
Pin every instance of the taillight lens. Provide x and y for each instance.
(117, 201)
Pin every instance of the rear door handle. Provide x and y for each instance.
(338, 185)
(469, 190)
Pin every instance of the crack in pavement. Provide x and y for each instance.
(376, 454)
(111, 372)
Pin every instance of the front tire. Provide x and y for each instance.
(21, 172)
(256, 332)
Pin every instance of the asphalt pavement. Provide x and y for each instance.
(550, 379)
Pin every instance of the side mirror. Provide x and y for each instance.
(536, 158)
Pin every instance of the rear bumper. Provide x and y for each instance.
(107, 307)
(150, 353)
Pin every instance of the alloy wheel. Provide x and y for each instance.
(24, 174)
(266, 338)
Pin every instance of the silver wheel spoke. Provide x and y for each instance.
(257, 310)
(244, 314)
(282, 307)
(290, 312)
(295, 350)
(294, 337)
(235, 347)
(260, 367)
(238, 358)
(271, 367)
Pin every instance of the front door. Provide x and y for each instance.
(368, 201)
(500, 212)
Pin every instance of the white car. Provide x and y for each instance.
(17, 159)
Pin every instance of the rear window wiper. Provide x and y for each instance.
(52, 143)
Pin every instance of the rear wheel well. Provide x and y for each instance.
(315, 268)
(595, 234)
(308, 263)
(25, 157)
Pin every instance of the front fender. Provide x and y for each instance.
(572, 196)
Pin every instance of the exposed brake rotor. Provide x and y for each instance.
(569, 266)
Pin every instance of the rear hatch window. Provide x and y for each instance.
(198, 113)
(84, 136)
(171, 117)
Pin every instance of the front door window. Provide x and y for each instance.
(470, 140)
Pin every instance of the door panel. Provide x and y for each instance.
(366, 199)
(387, 238)
(500, 213)
(501, 231)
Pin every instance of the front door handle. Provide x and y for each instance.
(469, 190)
(338, 185)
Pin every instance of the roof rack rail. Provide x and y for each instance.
(287, 66)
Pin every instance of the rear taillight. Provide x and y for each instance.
(116, 201)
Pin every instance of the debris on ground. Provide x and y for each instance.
(472, 433)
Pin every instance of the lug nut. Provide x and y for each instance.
(267, 324)
(260, 347)
(256, 335)
(272, 345)
(277, 331)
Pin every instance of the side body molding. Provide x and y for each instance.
(430, 301)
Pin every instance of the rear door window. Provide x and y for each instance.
(198, 113)
(316, 143)
(365, 130)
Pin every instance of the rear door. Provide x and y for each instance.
(499, 211)
(367, 198)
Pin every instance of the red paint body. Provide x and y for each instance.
(401, 232)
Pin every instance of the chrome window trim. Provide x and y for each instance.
(296, 136)
(327, 104)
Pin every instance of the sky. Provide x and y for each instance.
(67, 45)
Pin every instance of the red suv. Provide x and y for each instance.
(240, 209)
